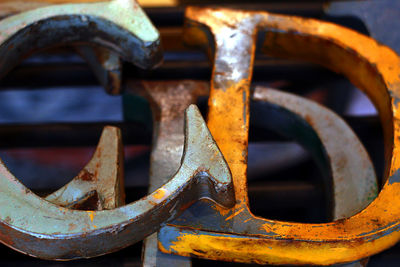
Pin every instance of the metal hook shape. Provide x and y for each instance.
(118, 25)
(39, 228)
(370, 66)
(106, 65)
(168, 100)
(101, 180)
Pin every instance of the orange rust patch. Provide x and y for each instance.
(369, 66)
(160, 193)
(6, 237)
(84, 175)
(266, 227)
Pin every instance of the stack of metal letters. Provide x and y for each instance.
(195, 133)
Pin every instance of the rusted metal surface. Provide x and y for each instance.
(236, 234)
(120, 26)
(353, 189)
(354, 180)
(106, 66)
(169, 98)
(168, 101)
(345, 163)
(101, 180)
(38, 228)
(42, 229)
(100, 184)
(223, 233)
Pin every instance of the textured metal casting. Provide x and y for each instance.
(354, 182)
(39, 228)
(42, 229)
(100, 184)
(168, 101)
(222, 233)
(106, 66)
(353, 189)
(119, 25)
(236, 234)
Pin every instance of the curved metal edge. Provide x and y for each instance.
(373, 68)
(41, 229)
(102, 176)
(354, 179)
(119, 25)
(106, 66)
(355, 184)
(248, 244)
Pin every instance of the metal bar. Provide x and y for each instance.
(168, 102)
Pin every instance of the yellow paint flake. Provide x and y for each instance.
(91, 214)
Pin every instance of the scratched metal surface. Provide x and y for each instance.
(264, 181)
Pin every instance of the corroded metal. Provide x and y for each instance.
(42, 229)
(39, 228)
(168, 101)
(236, 234)
(106, 66)
(100, 184)
(353, 188)
(354, 180)
(119, 25)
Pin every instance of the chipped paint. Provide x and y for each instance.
(81, 240)
(160, 194)
(370, 66)
(234, 214)
(91, 215)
